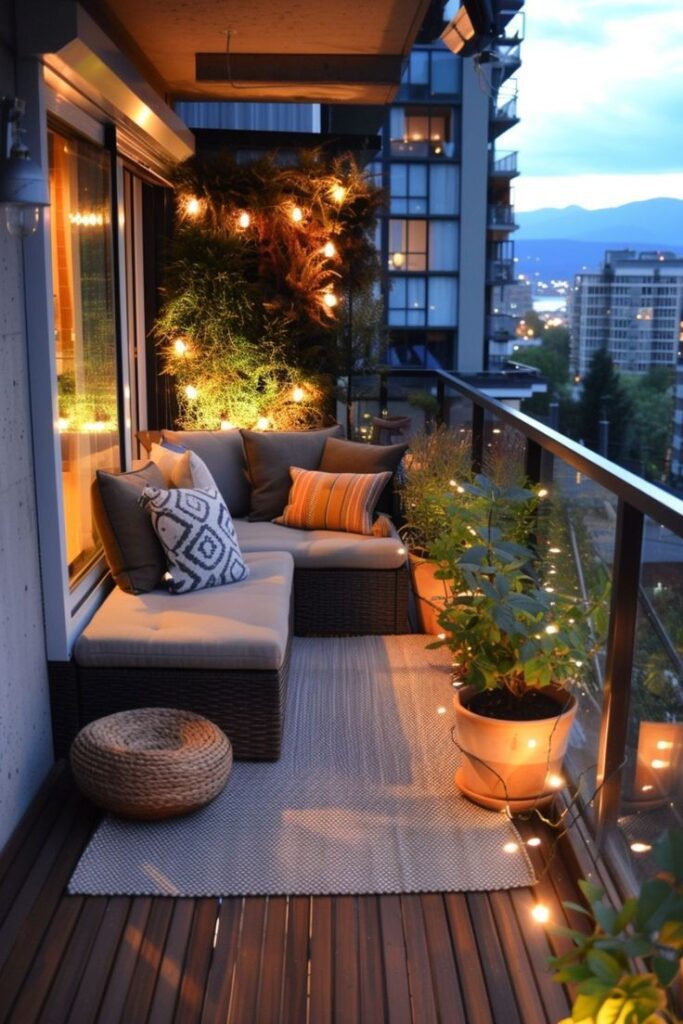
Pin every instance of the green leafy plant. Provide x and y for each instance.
(625, 965)
(437, 464)
(508, 628)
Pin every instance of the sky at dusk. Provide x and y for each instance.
(601, 103)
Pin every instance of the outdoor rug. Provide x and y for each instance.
(361, 801)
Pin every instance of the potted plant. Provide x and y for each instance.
(516, 644)
(625, 966)
(435, 467)
(657, 740)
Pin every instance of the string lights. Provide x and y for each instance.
(244, 219)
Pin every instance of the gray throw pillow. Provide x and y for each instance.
(198, 536)
(269, 456)
(223, 453)
(134, 555)
(356, 457)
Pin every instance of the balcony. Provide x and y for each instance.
(503, 165)
(503, 117)
(501, 218)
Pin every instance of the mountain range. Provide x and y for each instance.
(557, 243)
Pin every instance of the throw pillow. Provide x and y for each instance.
(341, 456)
(269, 456)
(181, 467)
(222, 452)
(198, 536)
(332, 501)
(133, 553)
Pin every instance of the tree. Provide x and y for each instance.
(604, 397)
(552, 359)
(650, 428)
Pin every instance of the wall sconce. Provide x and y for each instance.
(23, 189)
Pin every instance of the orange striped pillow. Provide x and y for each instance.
(332, 501)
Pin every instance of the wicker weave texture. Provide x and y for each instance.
(152, 762)
(249, 706)
(350, 602)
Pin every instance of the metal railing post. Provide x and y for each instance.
(619, 664)
(477, 438)
(441, 399)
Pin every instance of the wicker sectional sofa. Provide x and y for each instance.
(224, 652)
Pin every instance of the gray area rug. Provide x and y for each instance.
(361, 801)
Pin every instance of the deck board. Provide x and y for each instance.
(401, 959)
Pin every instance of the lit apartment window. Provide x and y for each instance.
(421, 131)
(85, 334)
(408, 244)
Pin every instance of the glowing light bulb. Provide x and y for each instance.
(640, 847)
(329, 250)
(398, 259)
(338, 193)
(330, 300)
(244, 220)
(298, 394)
(534, 841)
(541, 913)
(532, 744)
(400, 551)
(543, 493)
(297, 214)
(658, 765)
(556, 781)
(555, 551)
(510, 848)
(647, 789)
(441, 711)
(191, 392)
(452, 483)
(227, 425)
(180, 347)
(551, 629)
(441, 636)
(62, 424)
(262, 423)
(192, 207)
(664, 745)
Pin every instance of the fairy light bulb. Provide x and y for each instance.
(244, 220)
(192, 206)
(329, 250)
(510, 848)
(298, 394)
(398, 259)
(555, 781)
(227, 425)
(641, 847)
(541, 913)
(191, 392)
(551, 629)
(262, 423)
(534, 841)
(297, 214)
(330, 300)
(180, 346)
(543, 493)
(338, 193)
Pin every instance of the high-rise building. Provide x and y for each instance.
(444, 239)
(633, 307)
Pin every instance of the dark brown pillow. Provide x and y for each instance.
(269, 456)
(134, 555)
(222, 451)
(356, 457)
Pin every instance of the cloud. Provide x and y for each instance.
(601, 88)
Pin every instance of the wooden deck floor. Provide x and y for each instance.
(452, 957)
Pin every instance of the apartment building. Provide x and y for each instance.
(633, 306)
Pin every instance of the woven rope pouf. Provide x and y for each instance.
(151, 762)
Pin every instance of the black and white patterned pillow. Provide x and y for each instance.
(197, 534)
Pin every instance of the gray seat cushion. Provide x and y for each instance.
(240, 626)
(322, 549)
(223, 453)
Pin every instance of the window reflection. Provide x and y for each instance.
(85, 335)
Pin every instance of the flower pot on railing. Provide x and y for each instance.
(512, 764)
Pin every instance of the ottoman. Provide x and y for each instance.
(151, 763)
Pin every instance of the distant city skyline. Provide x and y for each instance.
(600, 94)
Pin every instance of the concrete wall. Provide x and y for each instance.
(25, 733)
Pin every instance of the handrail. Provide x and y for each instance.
(649, 499)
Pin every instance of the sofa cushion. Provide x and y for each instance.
(269, 456)
(244, 627)
(223, 453)
(181, 467)
(196, 532)
(323, 549)
(332, 501)
(133, 553)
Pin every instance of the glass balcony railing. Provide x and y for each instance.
(617, 540)
(504, 165)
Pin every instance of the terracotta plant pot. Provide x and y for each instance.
(657, 774)
(430, 594)
(512, 764)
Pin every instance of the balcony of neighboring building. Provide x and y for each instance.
(500, 220)
(503, 115)
(500, 263)
(503, 165)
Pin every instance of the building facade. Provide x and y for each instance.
(445, 239)
(633, 307)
